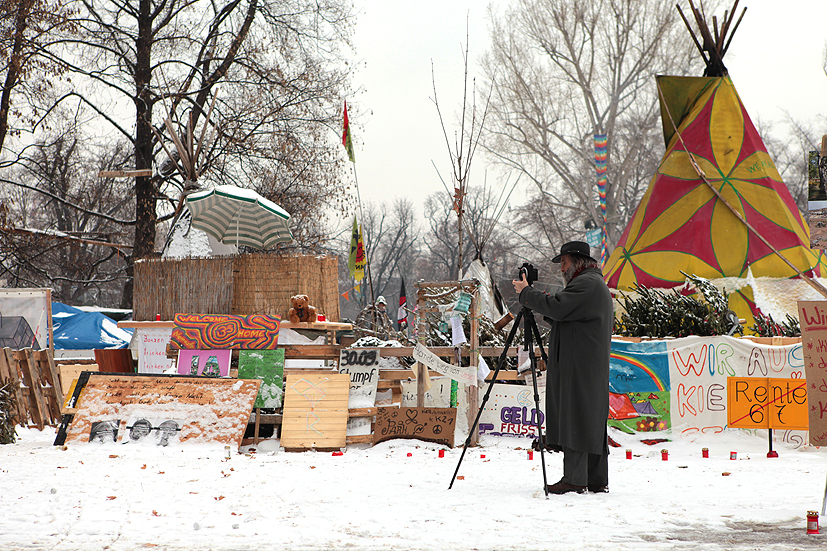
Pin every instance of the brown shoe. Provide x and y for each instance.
(599, 489)
(564, 488)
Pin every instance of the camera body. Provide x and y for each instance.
(530, 273)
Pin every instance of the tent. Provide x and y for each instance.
(78, 330)
(620, 407)
(681, 225)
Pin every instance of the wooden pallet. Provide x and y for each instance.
(36, 387)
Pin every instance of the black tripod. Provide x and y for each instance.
(530, 335)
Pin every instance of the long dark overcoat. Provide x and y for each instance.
(577, 384)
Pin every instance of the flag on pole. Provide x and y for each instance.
(356, 262)
(402, 313)
(600, 162)
(346, 138)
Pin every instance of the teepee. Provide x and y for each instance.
(716, 207)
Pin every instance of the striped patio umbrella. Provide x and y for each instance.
(239, 216)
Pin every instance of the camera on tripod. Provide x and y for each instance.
(530, 273)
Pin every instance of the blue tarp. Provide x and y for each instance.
(78, 330)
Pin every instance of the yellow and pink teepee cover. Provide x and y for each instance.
(680, 225)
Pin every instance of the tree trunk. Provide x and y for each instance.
(145, 197)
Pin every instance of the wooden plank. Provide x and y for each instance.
(360, 439)
(318, 325)
(331, 351)
(315, 411)
(46, 361)
(311, 351)
(31, 376)
(361, 412)
(7, 361)
(70, 372)
(125, 173)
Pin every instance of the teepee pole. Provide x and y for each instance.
(810, 281)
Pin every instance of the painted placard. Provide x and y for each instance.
(204, 331)
(268, 367)
(428, 424)
(315, 411)
(511, 411)
(204, 363)
(152, 349)
(461, 374)
(203, 410)
(764, 403)
(812, 316)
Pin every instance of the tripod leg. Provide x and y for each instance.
(532, 330)
(500, 363)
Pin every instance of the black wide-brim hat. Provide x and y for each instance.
(574, 247)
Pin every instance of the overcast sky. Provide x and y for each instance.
(775, 61)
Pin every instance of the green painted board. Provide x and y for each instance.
(268, 366)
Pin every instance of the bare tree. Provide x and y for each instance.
(26, 73)
(55, 229)
(788, 145)
(394, 235)
(143, 69)
(567, 71)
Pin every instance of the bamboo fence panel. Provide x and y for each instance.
(241, 285)
(263, 284)
(185, 285)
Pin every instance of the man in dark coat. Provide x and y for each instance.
(577, 384)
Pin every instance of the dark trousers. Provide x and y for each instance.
(585, 469)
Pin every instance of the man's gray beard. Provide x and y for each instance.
(568, 275)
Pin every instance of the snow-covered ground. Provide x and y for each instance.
(395, 496)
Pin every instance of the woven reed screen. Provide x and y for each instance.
(241, 285)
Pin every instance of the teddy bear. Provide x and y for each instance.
(301, 310)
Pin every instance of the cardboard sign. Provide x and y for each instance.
(268, 367)
(428, 424)
(461, 374)
(438, 396)
(152, 349)
(204, 363)
(759, 403)
(315, 411)
(812, 316)
(205, 331)
(176, 409)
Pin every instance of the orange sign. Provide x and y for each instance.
(762, 403)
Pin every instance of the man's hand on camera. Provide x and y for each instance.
(519, 284)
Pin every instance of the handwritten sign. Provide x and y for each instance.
(205, 410)
(764, 403)
(152, 349)
(428, 424)
(363, 367)
(205, 331)
(511, 411)
(461, 374)
(813, 318)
